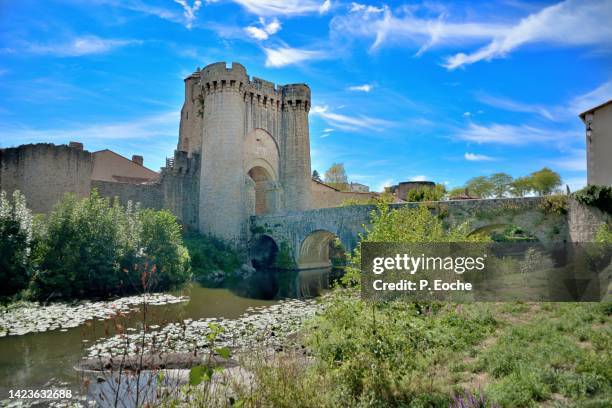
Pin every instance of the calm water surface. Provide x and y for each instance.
(37, 360)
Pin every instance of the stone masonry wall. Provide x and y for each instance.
(45, 172)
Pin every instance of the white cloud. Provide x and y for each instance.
(284, 7)
(568, 111)
(79, 46)
(324, 8)
(327, 132)
(283, 56)
(357, 7)
(514, 106)
(467, 114)
(420, 177)
(189, 11)
(409, 29)
(597, 96)
(511, 134)
(361, 88)
(266, 29)
(349, 123)
(571, 22)
(477, 157)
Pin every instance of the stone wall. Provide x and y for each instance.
(45, 172)
(148, 195)
(584, 221)
(324, 196)
(295, 228)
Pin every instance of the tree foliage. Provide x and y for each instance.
(15, 243)
(336, 177)
(596, 196)
(545, 181)
(426, 193)
(480, 186)
(92, 248)
(521, 186)
(501, 183)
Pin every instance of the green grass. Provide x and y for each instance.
(420, 355)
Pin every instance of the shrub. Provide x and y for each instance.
(604, 234)
(82, 250)
(209, 254)
(93, 248)
(596, 196)
(425, 193)
(15, 244)
(406, 224)
(554, 204)
(162, 242)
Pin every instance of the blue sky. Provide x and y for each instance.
(402, 90)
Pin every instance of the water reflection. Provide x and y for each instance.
(34, 359)
(278, 284)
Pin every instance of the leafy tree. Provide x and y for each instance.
(92, 248)
(456, 192)
(545, 181)
(336, 177)
(316, 176)
(411, 225)
(15, 244)
(521, 186)
(480, 186)
(501, 183)
(163, 243)
(82, 250)
(435, 193)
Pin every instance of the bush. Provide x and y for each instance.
(162, 242)
(554, 204)
(604, 234)
(425, 193)
(15, 244)
(209, 254)
(406, 225)
(596, 196)
(93, 248)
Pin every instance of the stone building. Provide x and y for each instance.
(243, 149)
(598, 122)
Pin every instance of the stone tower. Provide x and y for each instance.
(253, 140)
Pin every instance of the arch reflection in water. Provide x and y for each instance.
(278, 283)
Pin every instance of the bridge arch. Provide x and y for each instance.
(263, 250)
(318, 248)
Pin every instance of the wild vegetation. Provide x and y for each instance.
(413, 354)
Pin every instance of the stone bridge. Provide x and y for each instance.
(307, 234)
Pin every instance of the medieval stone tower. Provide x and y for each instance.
(252, 139)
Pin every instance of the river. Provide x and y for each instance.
(46, 359)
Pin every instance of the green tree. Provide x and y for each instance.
(501, 183)
(480, 186)
(521, 186)
(95, 248)
(545, 181)
(336, 177)
(162, 242)
(15, 244)
(435, 193)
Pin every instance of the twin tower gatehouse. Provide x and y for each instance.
(253, 142)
